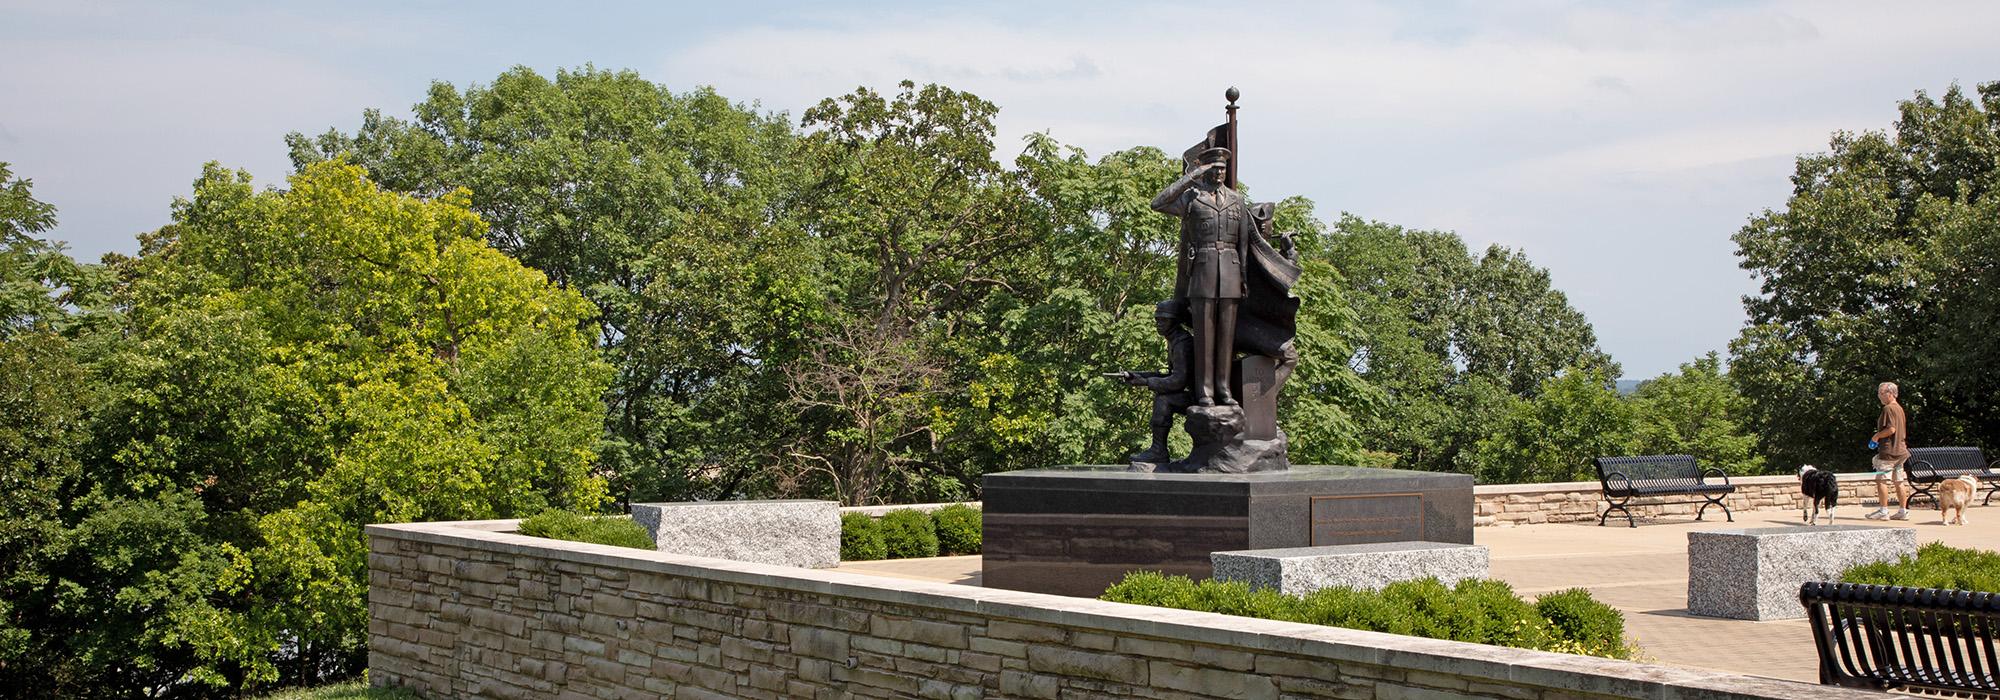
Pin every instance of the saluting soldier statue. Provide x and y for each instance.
(1215, 226)
(1236, 291)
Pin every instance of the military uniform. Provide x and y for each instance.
(1214, 227)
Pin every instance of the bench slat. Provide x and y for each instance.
(1887, 637)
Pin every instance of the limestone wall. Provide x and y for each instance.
(1518, 504)
(470, 610)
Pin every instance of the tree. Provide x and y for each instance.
(301, 363)
(1882, 266)
(22, 217)
(911, 216)
(671, 213)
(1696, 411)
(1574, 417)
(40, 285)
(42, 437)
(1453, 338)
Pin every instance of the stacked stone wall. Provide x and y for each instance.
(470, 611)
(1526, 504)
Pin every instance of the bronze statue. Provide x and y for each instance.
(1170, 388)
(1236, 291)
(1215, 223)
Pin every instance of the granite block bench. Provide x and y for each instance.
(1755, 574)
(798, 533)
(1302, 570)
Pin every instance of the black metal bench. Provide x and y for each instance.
(1913, 639)
(1627, 478)
(1928, 466)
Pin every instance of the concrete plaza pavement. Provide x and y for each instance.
(1641, 571)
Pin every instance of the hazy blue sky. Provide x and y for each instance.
(1619, 144)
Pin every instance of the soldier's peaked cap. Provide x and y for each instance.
(1214, 155)
(1171, 308)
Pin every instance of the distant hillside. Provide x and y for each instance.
(1627, 386)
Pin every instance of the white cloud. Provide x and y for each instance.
(1595, 137)
(1591, 135)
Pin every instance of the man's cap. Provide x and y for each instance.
(1171, 308)
(1217, 154)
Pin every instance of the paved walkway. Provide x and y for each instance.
(1641, 571)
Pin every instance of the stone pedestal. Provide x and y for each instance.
(1302, 570)
(1075, 531)
(787, 533)
(1755, 574)
(1255, 381)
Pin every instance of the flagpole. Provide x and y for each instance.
(1235, 146)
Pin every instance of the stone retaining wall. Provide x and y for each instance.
(1519, 504)
(473, 610)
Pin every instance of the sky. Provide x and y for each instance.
(1618, 144)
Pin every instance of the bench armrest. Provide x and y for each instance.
(1617, 476)
(1717, 472)
(1911, 468)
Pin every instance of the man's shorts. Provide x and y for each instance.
(1886, 466)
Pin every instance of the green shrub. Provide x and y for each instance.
(909, 534)
(1482, 611)
(958, 529)
(861, 538)
(1935, 566)
(1597, 628)
(577, 527)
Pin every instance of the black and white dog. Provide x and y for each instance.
(1821, 489)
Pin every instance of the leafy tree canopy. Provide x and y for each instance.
(1884, 265)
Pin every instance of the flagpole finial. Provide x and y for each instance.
(1232, 94)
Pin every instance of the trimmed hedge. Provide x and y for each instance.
(861, 538)
(1935, 566)
(957, 529)
(1482, 611)
(597, 529)
(908, 534)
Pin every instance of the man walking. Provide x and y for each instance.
(1891, 444)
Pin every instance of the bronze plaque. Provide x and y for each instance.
(1365, 519)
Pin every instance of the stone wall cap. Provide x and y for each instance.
(1793, 530)
(765, 502)
(1342, 549)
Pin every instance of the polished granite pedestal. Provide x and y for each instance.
(1077, 530)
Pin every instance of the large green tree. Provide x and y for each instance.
(289, 367)
(671, 212)
(913, 221)
(1883, 265)
(1453, 338)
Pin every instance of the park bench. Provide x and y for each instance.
(1924, 640)
(1929, 466)
(1646, 476)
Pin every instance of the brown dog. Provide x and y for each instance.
(1955, 493)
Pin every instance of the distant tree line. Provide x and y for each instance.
(588, 289)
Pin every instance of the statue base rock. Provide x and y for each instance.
(1221, 446)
